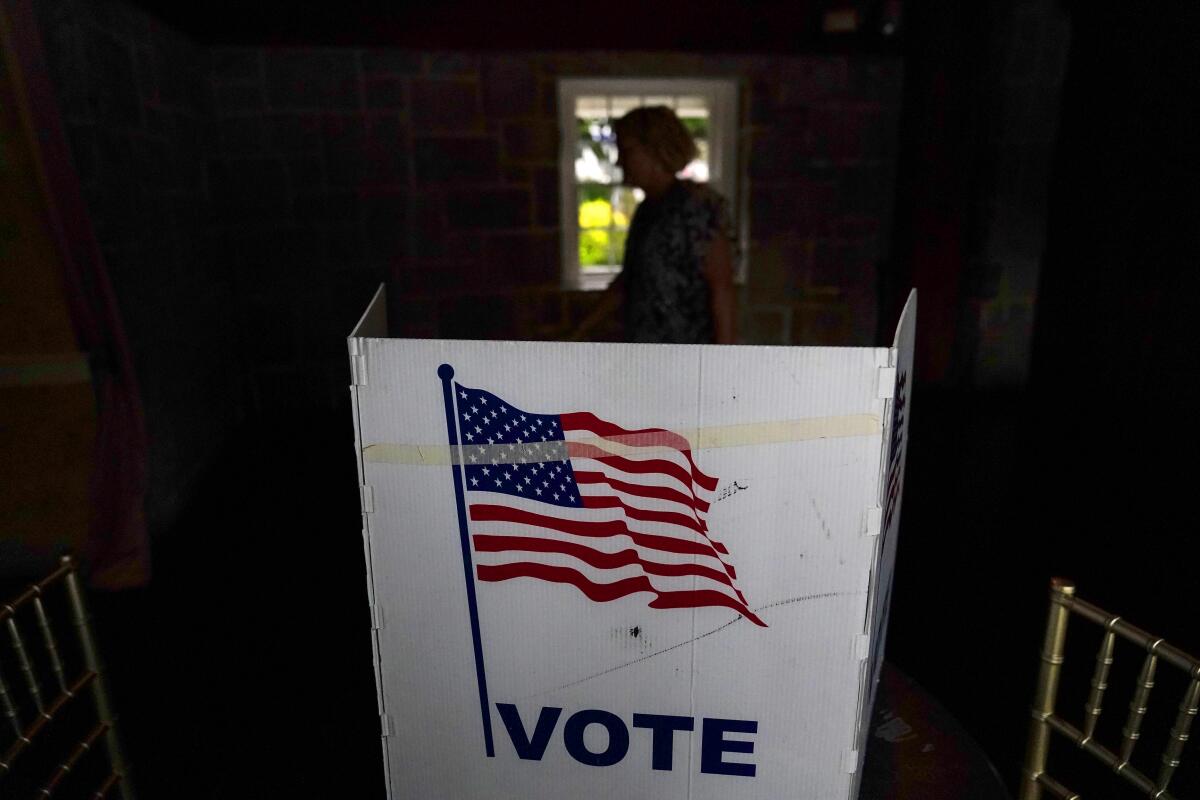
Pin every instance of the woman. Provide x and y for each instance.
(676, 284)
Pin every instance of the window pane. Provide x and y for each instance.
(593, 191)
(696, 126)
(595, 213)
(595, 107)
(593, 248)
(595, 164)
(604, 225)
(618, 246)
(624, 207)
(595, 151)
(698, 170)
(688, 106)
(623, 105)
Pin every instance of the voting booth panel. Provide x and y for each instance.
(611, 570)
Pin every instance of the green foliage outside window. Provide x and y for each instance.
(602, 233)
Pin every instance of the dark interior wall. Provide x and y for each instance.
(1021, 83)
(248, 201)
(1119, 300)
(133, 97)
(335, 168)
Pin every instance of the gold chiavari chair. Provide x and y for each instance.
(54, 741)
(1063, 603)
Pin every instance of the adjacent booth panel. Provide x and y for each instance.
(624, 570)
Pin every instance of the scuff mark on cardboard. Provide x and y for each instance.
(718, 629)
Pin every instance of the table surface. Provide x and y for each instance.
(918, 750)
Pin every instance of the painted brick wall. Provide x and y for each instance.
(249, 200)
(333, 169)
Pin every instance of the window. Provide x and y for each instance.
(595, 208)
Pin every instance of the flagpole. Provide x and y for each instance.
(446, 373)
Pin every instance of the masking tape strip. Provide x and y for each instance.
(748, 434)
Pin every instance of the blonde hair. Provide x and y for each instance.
(661, 133)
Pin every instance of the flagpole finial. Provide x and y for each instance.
(445, 372)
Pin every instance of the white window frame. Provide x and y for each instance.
(722, 97)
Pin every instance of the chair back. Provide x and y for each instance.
(58, 734)
(1046, 721)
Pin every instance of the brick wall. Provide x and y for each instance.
(133, 98)
(334, 169)
(249, 200)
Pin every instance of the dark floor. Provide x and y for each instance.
(244, 670)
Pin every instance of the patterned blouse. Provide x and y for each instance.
(666, 293)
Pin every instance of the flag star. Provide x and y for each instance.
(486, 471)
(507, 476)
(543, 437)
(473, 458)
(553, 424)
(503, 410)
(527, 480)
(493, 462)
(481, 449)
(478, 429)
(539, 491)
(474, 410)
(546, 484)
(470, 437)
(497, 481)
(571, 498)
(491, 440)
(463, 395)
(558, 469)
(520, 488)
(466, 415)
(556, 495)
(474, 481)
(506, 427)
(522, 460)
(539, 421)
(562, 488)
(493, 415)
(483, 399)
(519, 441)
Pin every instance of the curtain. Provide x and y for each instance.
(116, 550)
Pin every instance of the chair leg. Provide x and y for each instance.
(1061, 592)
(91, 657)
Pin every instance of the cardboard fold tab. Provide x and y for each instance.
(620, 570)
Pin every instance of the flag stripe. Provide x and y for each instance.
(645, 437)
(606, 544)
(483, 512)
(642, 514)
(533, 505)
(606, 592)
(641, 490)
(486, 543)
(649, 466)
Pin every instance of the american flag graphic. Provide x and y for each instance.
(574, 499)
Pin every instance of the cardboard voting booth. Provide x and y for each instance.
(621, 570)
